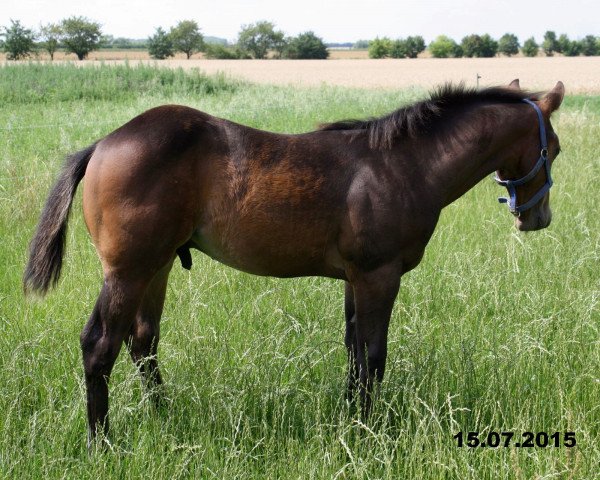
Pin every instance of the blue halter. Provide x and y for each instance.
(542, 161)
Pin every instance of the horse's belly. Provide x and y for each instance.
(274, 252)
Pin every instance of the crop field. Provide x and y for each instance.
(142, 54)
(347, 68)
(495, 331)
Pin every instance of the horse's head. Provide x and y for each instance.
(526, 175)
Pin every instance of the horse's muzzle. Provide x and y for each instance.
(534, 221)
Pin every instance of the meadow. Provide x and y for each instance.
(495, 331)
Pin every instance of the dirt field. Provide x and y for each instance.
(579, 74)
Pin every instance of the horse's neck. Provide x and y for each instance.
(473, 150)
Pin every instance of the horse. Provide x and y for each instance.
(355, 200)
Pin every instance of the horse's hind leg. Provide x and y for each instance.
(143, 337)
(101, 341)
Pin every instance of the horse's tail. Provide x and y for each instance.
(48, 244)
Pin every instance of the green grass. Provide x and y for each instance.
(495, 330)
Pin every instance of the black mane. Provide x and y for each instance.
(419, 118)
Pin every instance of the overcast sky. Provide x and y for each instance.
(333, 20)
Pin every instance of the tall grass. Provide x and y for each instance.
(495, 330)
(43, 83)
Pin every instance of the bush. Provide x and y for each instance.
(220, 51)
(508, 44)
(444, 47)
(160, 45)
(380, 47)
(530, 48)
(305, 46)
(18, 41)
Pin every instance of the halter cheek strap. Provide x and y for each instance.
(543, 161)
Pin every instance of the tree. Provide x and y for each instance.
(257, 38)
(470, 45)
(50, 35)
(81, 36)
(530, 48)
(186, 38)
(590, 46)
(444, 47)
(570, 48)
(18, 41)
(508, 44)
(479, 46)
(281, 46)
(414, 46)
(307, 45)
(409, 47)
(550, 44)
(380, 47)
(489, 46)
(361, 45)
(398, 49)
(160, 45)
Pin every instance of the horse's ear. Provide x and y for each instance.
(552, 100)
(515, 84)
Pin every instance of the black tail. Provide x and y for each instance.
(48, 244)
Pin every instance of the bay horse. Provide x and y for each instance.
(354, 200)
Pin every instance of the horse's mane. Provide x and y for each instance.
(422, 117)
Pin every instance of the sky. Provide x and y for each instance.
(332, 20)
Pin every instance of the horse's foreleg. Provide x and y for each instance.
(101, 341)
(350, 340)
(143, 337)
(374, 293)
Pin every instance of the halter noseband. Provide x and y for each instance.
(542, 161)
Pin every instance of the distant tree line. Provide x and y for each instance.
(76, 35)
(256, 40)
(481, 46)
(80, 35)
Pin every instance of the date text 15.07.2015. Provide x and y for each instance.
(510, 439)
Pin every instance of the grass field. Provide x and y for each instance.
(494, 331)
